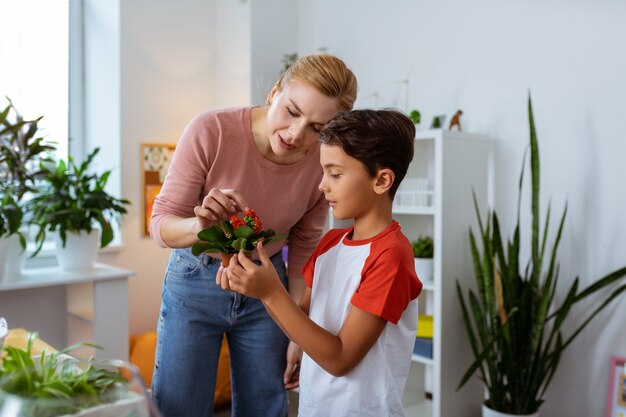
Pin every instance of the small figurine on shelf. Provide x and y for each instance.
(415, 116)
(438, 122)
(456, 120)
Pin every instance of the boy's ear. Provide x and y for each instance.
(384, 180)
(271, 94)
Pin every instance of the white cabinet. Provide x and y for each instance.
(451, 164)
(69, 307)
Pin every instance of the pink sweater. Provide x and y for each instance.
(217, 149)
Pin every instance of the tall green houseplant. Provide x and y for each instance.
(513, 321)
(22, 153)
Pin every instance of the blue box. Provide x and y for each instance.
(423, 347)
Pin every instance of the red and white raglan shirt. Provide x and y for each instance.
(376, 275)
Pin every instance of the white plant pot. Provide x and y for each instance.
(11, 259)
(133, 406)
(4, 331)
(424, 269)
(80, 251)
(488, 412)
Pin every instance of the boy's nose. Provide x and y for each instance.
(321, 186)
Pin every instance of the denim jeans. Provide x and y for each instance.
(195, 314)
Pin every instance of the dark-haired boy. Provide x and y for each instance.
(357, 320)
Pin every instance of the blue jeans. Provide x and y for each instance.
(195, 314)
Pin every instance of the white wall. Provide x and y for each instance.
(167, 77)
(483, 56)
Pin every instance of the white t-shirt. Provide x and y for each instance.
(376, 275)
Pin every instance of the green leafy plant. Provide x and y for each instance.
(235, 235)
(11, 215)
(55, 376)
(288, 60)
(71, 199)
(415, 116)
(514, 323)
(22, 152)
(423, 247)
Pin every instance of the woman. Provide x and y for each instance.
(266, 159)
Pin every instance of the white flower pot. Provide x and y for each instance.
(80, 251)
(11, 259)
(488, 412)
(4, 331)
(424, 269)
(133, 406)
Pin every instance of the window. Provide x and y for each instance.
(41, 71)
(34, 69)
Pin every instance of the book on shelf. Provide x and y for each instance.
(424, 326)
(423, 347)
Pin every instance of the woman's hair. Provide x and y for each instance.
(376, 138)
(327, 74)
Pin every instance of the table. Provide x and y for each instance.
(18, 338)
(71, 307)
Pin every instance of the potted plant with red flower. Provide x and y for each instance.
(233, 236)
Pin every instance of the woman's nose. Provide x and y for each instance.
(297, 131)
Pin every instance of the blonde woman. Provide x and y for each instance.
(264, 158)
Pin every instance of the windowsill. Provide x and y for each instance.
(47, 254)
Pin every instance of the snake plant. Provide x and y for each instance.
(513, 321)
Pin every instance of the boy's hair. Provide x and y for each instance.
(377, 138)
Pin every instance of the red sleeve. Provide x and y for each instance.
(305, 235)
(388, 283)
(330, 239)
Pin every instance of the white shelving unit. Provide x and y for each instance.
(69, 307)
(452, 164)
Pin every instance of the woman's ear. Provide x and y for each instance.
(271, 94)
(384, 180)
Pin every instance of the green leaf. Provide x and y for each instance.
(212, 234)
(208, 247)
(239, 244)
(244, 231)
(274, 238)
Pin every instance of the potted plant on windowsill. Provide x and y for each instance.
(72, 202)
(423, 251)
(514, 322)
(21, 154)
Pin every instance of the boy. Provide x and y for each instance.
(357, 320)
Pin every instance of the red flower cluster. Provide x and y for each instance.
(234, 235)
(250, 219)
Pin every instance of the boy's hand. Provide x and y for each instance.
(291, 377)
(250, 279)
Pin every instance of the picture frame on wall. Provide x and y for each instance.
(616, 406)
(155, 161)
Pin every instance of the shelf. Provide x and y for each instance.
(447, 167)
(422, 408)
(54, 276)
(422, 359)
(428, 286)
(426, 211)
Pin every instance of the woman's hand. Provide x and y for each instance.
(250, 279)
(291, 378)
(218, 204)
